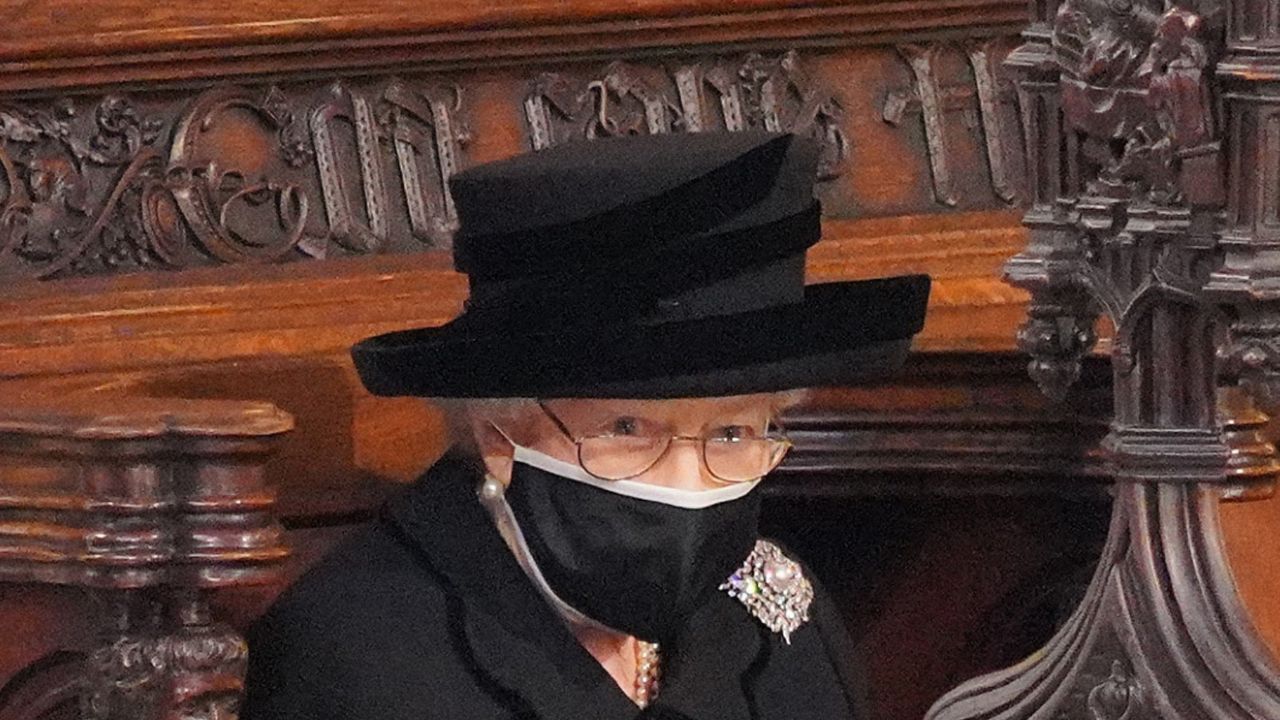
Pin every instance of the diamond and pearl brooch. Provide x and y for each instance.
(773, 588)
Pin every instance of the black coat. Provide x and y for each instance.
(425, 615)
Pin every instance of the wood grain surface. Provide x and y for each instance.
(151, 320)
(962, 421)
(47, 43)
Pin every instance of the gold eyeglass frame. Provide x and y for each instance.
(786, 444)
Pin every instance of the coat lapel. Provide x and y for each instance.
(516, 640)
(708, 676)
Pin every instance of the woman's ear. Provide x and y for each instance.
(494, 428)
(495, 449)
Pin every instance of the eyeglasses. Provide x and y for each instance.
(740, 454)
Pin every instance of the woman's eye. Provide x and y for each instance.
(733, 432)
(624, 426)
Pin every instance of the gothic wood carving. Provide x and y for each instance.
(148, 505)
(236, 175)
(985, 106)
(240, 174)
(756, 91)
(1249, 277)
(1119, 108)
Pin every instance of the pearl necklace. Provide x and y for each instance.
(647, 671)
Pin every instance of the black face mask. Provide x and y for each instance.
(639, 566)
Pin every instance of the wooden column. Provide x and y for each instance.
(1121, 106)
(146, 505)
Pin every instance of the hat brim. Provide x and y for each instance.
(841, 333)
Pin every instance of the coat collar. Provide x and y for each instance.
(519, 641)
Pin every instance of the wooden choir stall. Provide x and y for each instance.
(1062, 508)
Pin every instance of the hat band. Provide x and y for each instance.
(775, 283)
(685, 271)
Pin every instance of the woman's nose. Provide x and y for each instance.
(682, 467)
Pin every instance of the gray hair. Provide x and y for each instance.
(459, 411)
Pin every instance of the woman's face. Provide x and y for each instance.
(680, 467)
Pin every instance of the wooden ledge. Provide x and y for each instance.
(130, 492)
(216, 314)
(123, 418)
(67, 43)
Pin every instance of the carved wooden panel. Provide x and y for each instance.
(930, 101)
(771, 93)
(247, 174)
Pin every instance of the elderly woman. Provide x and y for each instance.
(589, 547)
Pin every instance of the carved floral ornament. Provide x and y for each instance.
(184, 674)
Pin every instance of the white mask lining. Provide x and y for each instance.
(688, 499)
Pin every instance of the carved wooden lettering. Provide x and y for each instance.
(981, 105)
(239, 174)
(1003, 151)
(210, 187)
(714, 82)
(354, 109)
(771, 93)
(418, 123)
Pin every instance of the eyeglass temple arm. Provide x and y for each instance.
(559, 424)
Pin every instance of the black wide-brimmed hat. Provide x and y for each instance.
(647, 267)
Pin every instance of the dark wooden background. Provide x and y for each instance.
(954, 511)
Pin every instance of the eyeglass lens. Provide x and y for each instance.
(621, 456)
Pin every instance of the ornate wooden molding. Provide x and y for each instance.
(131, 43)
(1119, 107)
(148, 504)
(276, 173)
(137, 492)
(764, 92)
(305, 170)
